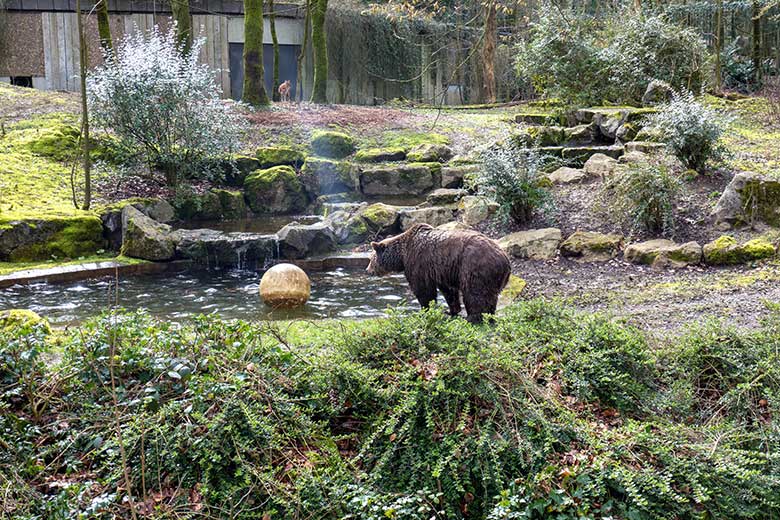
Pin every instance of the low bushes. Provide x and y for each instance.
(418, 416)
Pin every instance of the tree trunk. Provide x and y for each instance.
(719, 47)
(181, 15)
(275, 40)
(320, 47)
(84, 112)
(756, 43)
(254, 77)
(304, 47)
(489, 54)
(104, 27)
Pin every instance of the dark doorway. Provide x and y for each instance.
(288, 67)
(22, 81)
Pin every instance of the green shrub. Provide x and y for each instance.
(514, 178)
(546, 413)
(691, 131)
(644, 197)
(587, 62)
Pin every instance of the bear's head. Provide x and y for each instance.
(387, 256)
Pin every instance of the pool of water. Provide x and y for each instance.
(263, 225)
(231, 294)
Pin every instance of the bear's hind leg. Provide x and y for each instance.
(479, 303)
(452, 296)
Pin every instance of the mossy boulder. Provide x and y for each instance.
(238, 167)
(198, 206)
(726, 251)
(435, 216)
(749, 197)
(111, 216)
(536, 244)
(444, 196)
(590, 246)
(12, 319)
(28, 240)
(145, 238)
(398, 179)
(232, 204)
(335, 145)
(476, 209)
(663, 253)
(328, 176)
(275, 190)
(369, 221)
(514, 288)
(301, 240)
(379, 155)
(453, 176)
(430, 152)
(269, 156)
(542, 136)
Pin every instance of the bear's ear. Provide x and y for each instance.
(376, 246)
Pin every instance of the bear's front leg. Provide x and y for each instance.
(425, 293)
(452, 296)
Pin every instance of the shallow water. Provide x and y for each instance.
(232, 294)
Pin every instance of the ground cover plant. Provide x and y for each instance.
(547, 412)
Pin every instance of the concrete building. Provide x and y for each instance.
(39, 40)
(39, 48)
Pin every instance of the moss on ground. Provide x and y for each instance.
(406, 140)
(34, 183)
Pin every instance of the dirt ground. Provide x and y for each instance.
(658, 301)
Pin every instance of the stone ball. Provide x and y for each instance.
(285, 285)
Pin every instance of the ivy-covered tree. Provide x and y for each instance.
(320, 47)
(104, 27)
(254, 92)
(181, 15)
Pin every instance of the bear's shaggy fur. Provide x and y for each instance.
(453, 262)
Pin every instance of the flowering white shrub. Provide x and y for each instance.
(691, 131)
(511, 176)
(164, 105)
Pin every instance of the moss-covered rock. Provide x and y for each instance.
(198, 206)
(328, 176)
(275, 190)
(590, 246)
(378, 155)
(398, 179)
(749, 197)
(726, 251)
(513, 290)
(269, 156)
(430, 152)
(22, 319)
(542, 136)
(29, 240)
(335, 145)
(145, 238)
(232, 204)
(369, 221)
(238, 167)
(111, 216)
(663, 253)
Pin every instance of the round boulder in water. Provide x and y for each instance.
(285, 285)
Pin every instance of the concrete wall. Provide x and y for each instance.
(44, 44)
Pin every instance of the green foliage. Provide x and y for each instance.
(644, 198)
(545, 413)
(513, 177)
(691, 130)
(584, 61)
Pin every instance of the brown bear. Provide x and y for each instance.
(453, 262)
